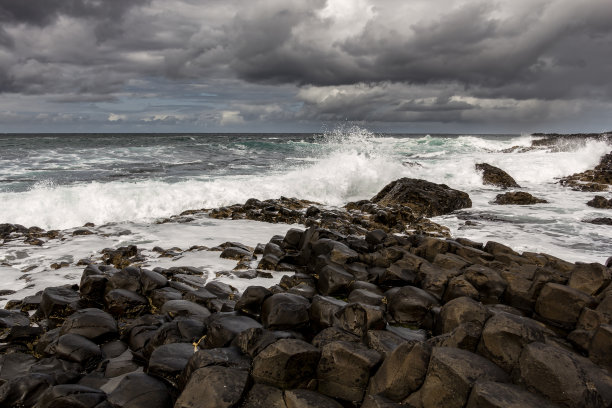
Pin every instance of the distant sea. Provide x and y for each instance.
(128, 181)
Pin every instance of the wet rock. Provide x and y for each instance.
(24, 390)
(451, 374)
(252, 341)
(597, 179)
(344, 370)
(434, 279)
(59, 302)
(122, 302)
(78, 349)
(402, 373)
(169, 360)
(459, 287)
(127, 278)
(151, 281)
(334, 279)
(301, 398)
(252, 299)
(562, 305)
(185, 308)
(589, 278)
(94, 324)
(93, 287)
(505, 335)
(121, 364)
(10, 320)
(459, 311)
(222, 329)
(464, 336)
(383, 341)
(225, 357)
(409, 304)
(283, 311)
(214, 387)
(495, 176)
(332, 334)
(221, 290)
(236, 253)
(563, 377)
(600, 349)
(140, 390)
(121, 257)
(358, 318)
(367, 297)
(264, 396)
(423, 197)
(71, 395)
(498, 395)
(286, 363)
(517, 198)
(600, 202)
(160, 296)
(489, 284)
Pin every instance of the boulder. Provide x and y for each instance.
(94, 324)
(600, 349)
(358, 318)
(563, 377)
(517, 198)
(459, 287)
(489, 284)
(344, 370)
(169, 360)
(495, 176)
(150, 281)
(223, 328)
(589, 278)
(214, 387)
(264, 396)
(562, 305)
(600, 202)
(24, 390)
(79, 349)
(125, 303)
(286, 363)
(140, 390)
(127, 278)
(499, 395)
(227, 357)
(185, 308)
(334, 279)
(451, 374)
(71, 395)
(252, 299)
(409, 304)
(308, 399)
(284, 311)
(423, 197)
(59, 302)
(459, 311)
(323, 310)
(401, 373)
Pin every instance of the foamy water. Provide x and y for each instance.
(65, 181)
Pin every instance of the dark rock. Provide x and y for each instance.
(383, 341)
(122, 302)
(79, 349)
(303, 289)
(460, 287)
(283, 311)
(434, 279)
(71, 395)
(236, 253)
(169, 360)
(563, 377)
(344, 370)
(59, 302)
(423, 197)
(225, 357)
(160, 296)
(94, 324)
(14, 364)
(127, 278)
(376, 237)
(600, 202)
(498, 395)
(308, 399)
(24, 390)
(358, 318)
(151, 281)
(214, 387)
(251, 300)
(517, 198)
(252, 341)
(451, 374)
(600, 221)
(264, 396)
(600, 349)
(93, 287)
(140, 390)
(597, 179)
(221, 290)
(367, 297)
(489, 284)
(402, 373)
(561, 305)
(495, 176)
(286, 363)
(334, 279)
(222, 329)
(459, 311)
(589, 278)
(409, 304)
(185, 308)
(376, 401)
(332, 334)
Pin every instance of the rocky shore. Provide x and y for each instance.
(378, 307)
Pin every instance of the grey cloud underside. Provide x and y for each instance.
(391, 60)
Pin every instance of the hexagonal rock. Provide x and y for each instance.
(71, 395)
(323, 309)
(308, 399)
(222, 329)
(94, 324)
(79, 349)
(498, 395)
(59, 302)
(285, 311)
(358, 318)
(140, 390)
(334, 279)
(561, 305)
(564, 377)
(409, 304)
(376, 401)
(505, 335)
(122, 302)
(434, 278)
(214, 387)
(452, 373)
(226, 357)
(169, 360)
(600, 350)
(185, 308)
(461, 310)
(589, 278)
(487, 281)
(402, 373)
(251, 300)
(264, 396)
(458, 287)
(344, 370)
(286, 363)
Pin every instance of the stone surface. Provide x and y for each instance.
(459, 311)
(286, 363)
(518, 198)
(169, 360)
(264, 396)
(308, 399)
(495, 176)
(94, 324)
(214, 387)
(138, 391)
(562, 305)
(488, 394)
(409, 304)
(285, 311)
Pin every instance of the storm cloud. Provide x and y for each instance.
(270, 64)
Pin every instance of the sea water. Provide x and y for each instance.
(124, 183)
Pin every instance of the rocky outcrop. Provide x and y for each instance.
(600, 202)
(597, 179)
(495, 176)
(517, 198)
(377, 321)
(423, 197)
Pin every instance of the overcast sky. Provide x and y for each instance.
(506, 66)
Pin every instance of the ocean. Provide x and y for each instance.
(125, 183)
